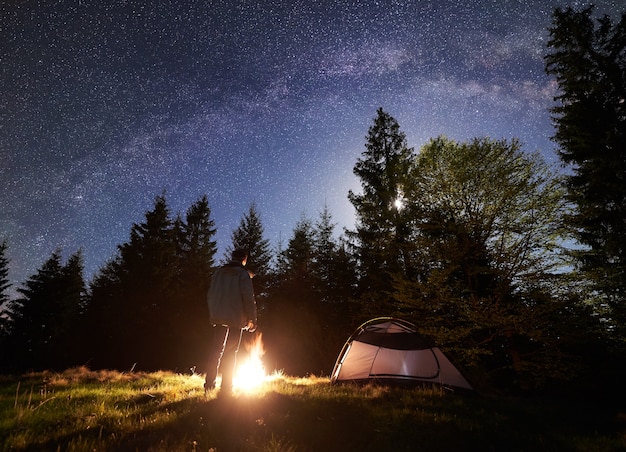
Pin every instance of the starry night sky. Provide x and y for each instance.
(104, 105)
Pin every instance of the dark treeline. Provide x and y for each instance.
(516, 271)
(146, 308)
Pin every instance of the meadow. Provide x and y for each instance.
(84, 410)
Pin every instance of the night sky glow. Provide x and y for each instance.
(106, 104)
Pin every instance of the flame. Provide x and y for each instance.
(250, 373)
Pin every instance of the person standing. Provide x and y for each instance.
(232, 308)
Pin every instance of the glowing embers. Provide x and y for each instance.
(250, 372)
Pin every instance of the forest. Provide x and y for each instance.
(515, 269)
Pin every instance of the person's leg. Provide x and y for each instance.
(229, 358)
(217, 341)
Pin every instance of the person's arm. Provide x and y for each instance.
(247, 298)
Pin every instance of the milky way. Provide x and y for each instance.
(106, 104)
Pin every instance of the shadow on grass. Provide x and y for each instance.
(396, 420)
(336, 420)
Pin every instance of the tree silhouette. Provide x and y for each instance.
(249, 235)
(5, 285)
(324, 261)
(134, 297)
(295, 315)
(46, 315)
(488, 223)
(105, 319)
(381, 238)
(196, 253)
(589, 63)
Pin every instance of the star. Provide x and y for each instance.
(105, 105)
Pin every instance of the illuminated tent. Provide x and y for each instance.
(389, 350)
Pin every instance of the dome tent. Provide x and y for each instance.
(386, 349)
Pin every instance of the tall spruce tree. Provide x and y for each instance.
(295, 321)
(106, 321)
(298, 256)
(249, 235)
(4, 300)
(47, 314)
(381, 238)
(196, 249)
(333, 268)
(588, 59)
(148, 303)
(148, 267)
(5, 285)
(324, 258)
(334, 279)
(197, 245)
(71, 311)
(31, 316)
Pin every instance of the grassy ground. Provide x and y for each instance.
(81, 410)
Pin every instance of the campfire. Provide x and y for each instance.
(250, 372)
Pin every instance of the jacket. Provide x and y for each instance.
(231, 297)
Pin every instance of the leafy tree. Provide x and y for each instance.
(382, 230)
(588, 59)
(488, 226)
(46, 315)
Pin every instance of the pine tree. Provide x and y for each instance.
(47, 315)
(296, 322)
(334, 272)
(70, 311)
(197, 244)
(32, 313)
(589, 63)
(5, 285)
(334, 279)
(196, 249)
(147, 308)
(324, 253)
(382, 237)
(106, 322)
(249, 235)
(298, 255)
(148, 267)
